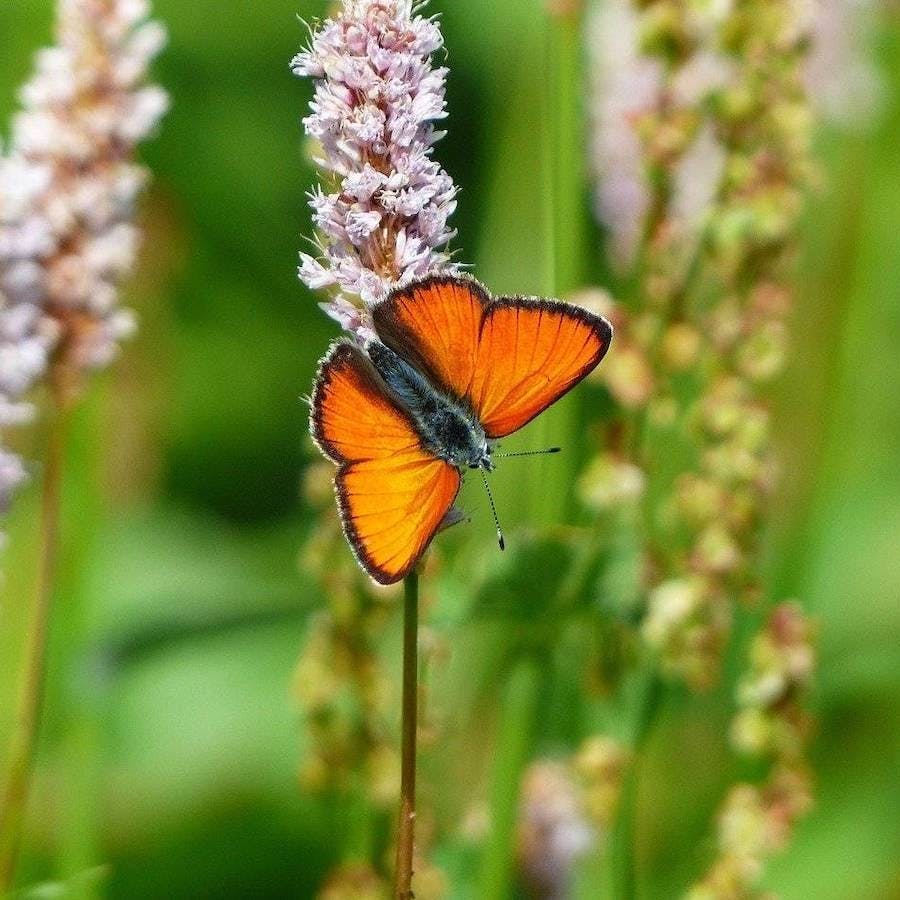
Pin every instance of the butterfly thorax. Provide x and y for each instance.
(448, 429)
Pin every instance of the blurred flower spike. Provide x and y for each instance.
(771, 721)
(382, 216)
(68, 186)
(756, 821)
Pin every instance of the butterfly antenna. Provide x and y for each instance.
(487, 487)
(528, 453)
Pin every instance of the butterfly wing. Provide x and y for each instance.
(510, 358)
(435, 325)
(392, 494)
(530, 354)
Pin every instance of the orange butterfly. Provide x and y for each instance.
(452, 370)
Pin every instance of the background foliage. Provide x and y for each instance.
(173, 740)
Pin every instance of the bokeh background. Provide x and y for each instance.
(169, 760)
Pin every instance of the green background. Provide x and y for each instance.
(172, 738)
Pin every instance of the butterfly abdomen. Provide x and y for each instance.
(446, 428)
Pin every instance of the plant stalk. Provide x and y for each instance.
(564, 224)
(407, 821)
(31, 698)
(625, 862)
(519, 712)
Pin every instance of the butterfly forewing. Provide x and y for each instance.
(435, 325)
(392, 494)
(532, 352)
(509, 359)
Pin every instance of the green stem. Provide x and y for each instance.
(516, 728)
(624, 856)
(563, 229)
(28, 720)
(407, 821)
(566, 106)
(549, 138)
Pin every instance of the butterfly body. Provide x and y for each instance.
(447, 427)
(451, 371)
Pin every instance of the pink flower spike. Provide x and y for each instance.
(376, 94)
(68, 186)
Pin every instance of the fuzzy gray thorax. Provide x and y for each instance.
(447, 427)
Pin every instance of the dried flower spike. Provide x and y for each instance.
(756, 822)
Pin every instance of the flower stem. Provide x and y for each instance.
(28, 720)
(407, 822)
(564, 224)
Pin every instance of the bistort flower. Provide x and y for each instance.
(382, 216)
(68, 186)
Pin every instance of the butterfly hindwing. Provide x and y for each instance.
(508, 358)
(392, 508)
(392, 494)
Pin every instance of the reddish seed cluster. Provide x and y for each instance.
(721, 142)
(757, 821)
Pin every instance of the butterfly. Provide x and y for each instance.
(450, 370)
